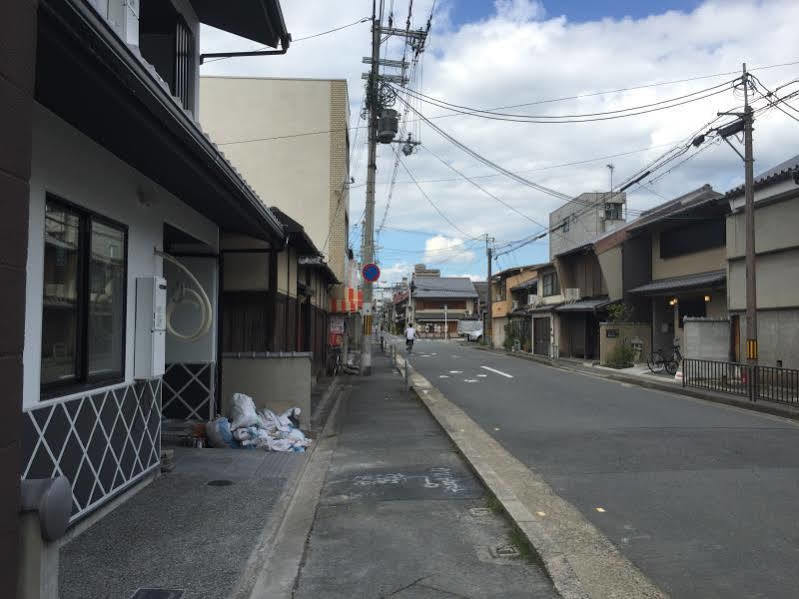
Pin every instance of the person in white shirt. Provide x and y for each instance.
(410, 335)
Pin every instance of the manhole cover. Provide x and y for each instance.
(479, 512)
(158, 594)
(505, 551)
(219, 483)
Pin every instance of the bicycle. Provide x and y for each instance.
(334, 364)
(658, 361)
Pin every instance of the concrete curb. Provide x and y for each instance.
(763, 407)
(579, 559)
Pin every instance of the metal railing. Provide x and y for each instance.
(754, 382)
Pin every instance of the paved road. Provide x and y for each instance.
(395, 517)
(701, 497)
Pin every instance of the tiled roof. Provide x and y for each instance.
(586, 305)
(444, 287)
(697, 281)
(773, 175)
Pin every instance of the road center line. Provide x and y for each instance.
(494, 370)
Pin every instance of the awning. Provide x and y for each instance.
(525, 285)
(257, 20)
(545, 308)
(586, 305)
(685, 283)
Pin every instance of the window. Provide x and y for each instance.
(184, 64)
(167, 43)
(550, 284)
(566, 224)
(613, 212)
(693, 237)
(85, 282)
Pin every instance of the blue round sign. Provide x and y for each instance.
(371, 272)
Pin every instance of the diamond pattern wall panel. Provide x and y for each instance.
(101, 442)
(189, 391)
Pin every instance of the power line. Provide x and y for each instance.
(449, 115)
(299, 39)
(419, 187)
(480, 112)
(546, 121)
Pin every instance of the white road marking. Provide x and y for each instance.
(482, 376)
(456, 371)
(443, 376)
(601, 510)
(470, 380)
(494, 370)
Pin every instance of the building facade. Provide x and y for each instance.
(119, 198)
(777, 266)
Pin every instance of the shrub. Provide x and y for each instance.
(620, 312)
(621, 356)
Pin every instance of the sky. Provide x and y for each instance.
(487, 54)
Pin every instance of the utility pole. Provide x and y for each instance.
(446, 324)
(376, 88)
(749, 191)
(488, 334)
(368, 243)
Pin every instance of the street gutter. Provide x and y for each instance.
(581, 562)
(765, 407)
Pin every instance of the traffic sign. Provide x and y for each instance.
(371, 272)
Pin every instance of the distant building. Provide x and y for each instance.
(438, 303)
(583, 219)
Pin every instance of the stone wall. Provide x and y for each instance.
(611, 334)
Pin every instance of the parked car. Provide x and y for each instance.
(475, 335)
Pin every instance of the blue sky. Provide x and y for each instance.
(467, 11)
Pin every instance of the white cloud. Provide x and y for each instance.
(521, 54)
(440, 249)
(519, 10)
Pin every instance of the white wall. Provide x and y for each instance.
(70, 165)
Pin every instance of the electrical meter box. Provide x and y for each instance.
(149, 355)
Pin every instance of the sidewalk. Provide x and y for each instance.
(400, 513)
(197, 530)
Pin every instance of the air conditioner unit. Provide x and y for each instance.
(571, 294)
(533, 300)
(515, 305)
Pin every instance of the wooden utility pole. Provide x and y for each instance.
(488, 334)
(749, 191)
(368, 242)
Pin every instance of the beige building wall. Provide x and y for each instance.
(295, 150)
(777, 276)
(611, 265)
(698, 262)
(775, 228)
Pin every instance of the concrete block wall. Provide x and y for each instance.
(624, 332)
(277, 381)
(706, 339)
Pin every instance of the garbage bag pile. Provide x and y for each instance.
(251, 429)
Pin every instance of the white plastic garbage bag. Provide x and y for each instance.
(242, 413)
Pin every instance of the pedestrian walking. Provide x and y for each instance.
(410, 335)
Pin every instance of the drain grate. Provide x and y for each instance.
(479, 512)
(505, 551)
(158, 594)
(219, 483)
